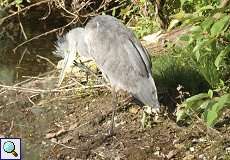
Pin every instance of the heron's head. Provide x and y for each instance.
(66, 48)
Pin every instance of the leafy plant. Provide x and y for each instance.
(209, 50)
(16, 3)
(144, 26)
(209, 106)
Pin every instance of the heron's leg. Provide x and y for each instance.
(114, 105)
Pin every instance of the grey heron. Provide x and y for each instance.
(123, 61)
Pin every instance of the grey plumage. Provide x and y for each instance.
(118, 54)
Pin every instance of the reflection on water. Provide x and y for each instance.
(7, 74)
(24, 63)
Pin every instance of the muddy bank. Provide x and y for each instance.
(73, 122)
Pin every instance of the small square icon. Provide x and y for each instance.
(10, 149)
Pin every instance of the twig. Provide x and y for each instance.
(11, 126)
(36, 78)
(22, 56)
(69, 147)
(44, 34)
(73, 14)
(31, 101)
(27, 80)
(24, 9)
(71, 85)
(22, 28)
(33, 90)
(47, 59)
(49, 11)
(3, 121)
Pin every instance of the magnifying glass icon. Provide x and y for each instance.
(9, 147)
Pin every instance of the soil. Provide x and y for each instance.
(73, 124)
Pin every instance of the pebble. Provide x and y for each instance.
(202, 157)
(189, 157)
(192, 149)
(158, 148)
(53, 140)
(227, 149)
(179, 146)
(157, 153)
(171, 154)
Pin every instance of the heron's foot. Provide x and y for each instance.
(150, 115)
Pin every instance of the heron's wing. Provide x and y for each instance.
(144, 53)
(137, 55)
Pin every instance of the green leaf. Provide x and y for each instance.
(213, 112)
(180, 114)
(211, 118)
(221, 57)
(206, 25)
(18, 2)
(210, 93)
(208, 7)
(196, 101)
(220, 26)
(114, 12)
(199, 45)
(197, 54)
(196, 29)
(205, 104)
(197, 97)
(142, 1)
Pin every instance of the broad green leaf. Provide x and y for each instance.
(195, 101)
(211, 118)
(206, 25)
(221, 57)
(197, 97)
(199, 45)
(197, 54)
(213, 112)
(205, 104)
(220, 26)
(196, 29)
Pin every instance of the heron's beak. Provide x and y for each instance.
(67, 62)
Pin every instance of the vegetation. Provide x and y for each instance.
(206, 56)
(201, 66)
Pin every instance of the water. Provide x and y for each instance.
(27, 60)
